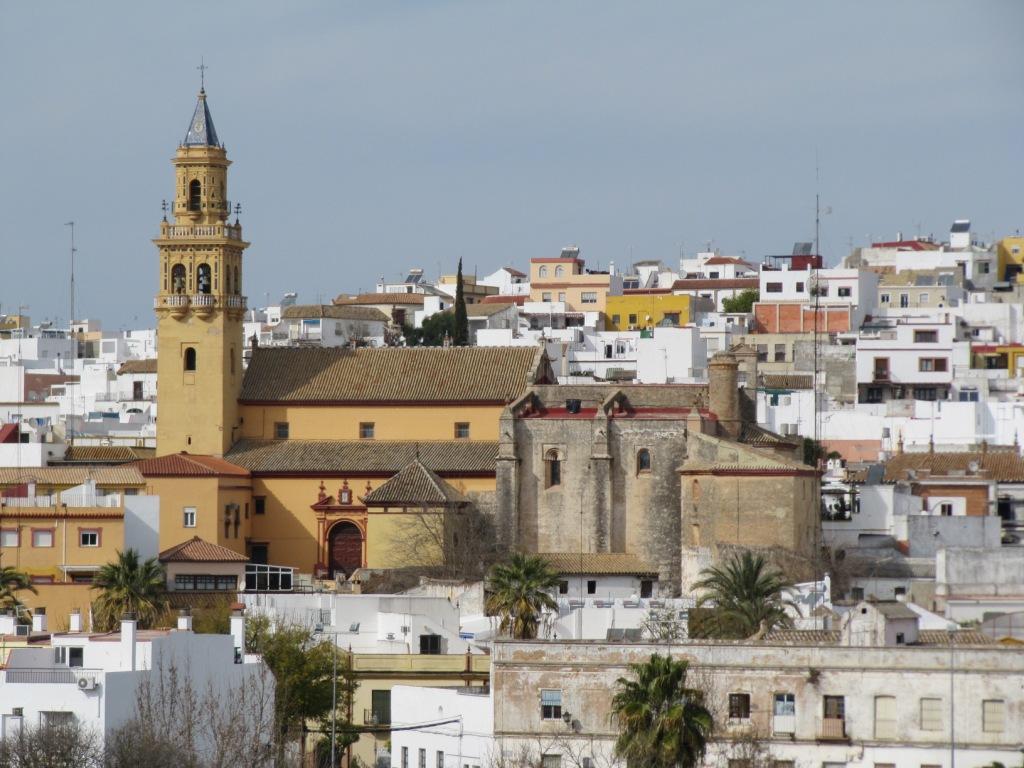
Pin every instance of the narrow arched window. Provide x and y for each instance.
(227, 278)
(559, 270)
(542, 272)
(238, 282)
(190, 358)
(232, 361)
(203, 278)
(195, 195)
(643, 460)
(552, 468)
(178, 278)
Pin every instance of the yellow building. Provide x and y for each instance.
(199, 302)
(472, 290)
(566, 279)
(1010, 259)
(637, 311)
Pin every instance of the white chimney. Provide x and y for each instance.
(185, 620)
(75, 622)
(38, 619)
(611, 268)
(238, 630)
(128, 640)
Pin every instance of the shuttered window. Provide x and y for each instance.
(885, 717)
(993, 716)
(931, 714)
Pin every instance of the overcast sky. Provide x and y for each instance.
(370, 137)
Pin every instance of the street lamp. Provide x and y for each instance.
(319, 630)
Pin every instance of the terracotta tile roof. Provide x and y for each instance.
(598, 563)
(414, 485)
(960, 637)
(832, 637)
(700, 284)
(72, 475)
(60, 513)
(367, 457)
(514, 272)
(197, 550)
(391, 374)
(715, 261)
(999, 464)
(189, 465)
(105, 454)
(486, 310)
(137, 366)
(518, 300)
(335, 312)
(787, 380)
(382, 298)
(9, 433)
(753, 434)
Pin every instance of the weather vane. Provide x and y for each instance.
(202, 73)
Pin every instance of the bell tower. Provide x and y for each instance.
(199, 302)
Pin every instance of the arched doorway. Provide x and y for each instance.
(345, 548)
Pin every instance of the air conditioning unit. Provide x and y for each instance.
(391, 635)
(86, 682)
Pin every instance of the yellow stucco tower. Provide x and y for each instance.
(199, 302)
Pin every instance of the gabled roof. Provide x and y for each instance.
(381, 298)
(391, 375)
(488, 309)
(999, 464)
(514, 272)
(201, 132)
(414, 485)
(787, 380)
(598, 564)
(339, 458)
(334, 312)
(137, 366)
(716, 261)
(124, 474)
(197, 550)
(754, 434)
(104, 454)
(189, 465)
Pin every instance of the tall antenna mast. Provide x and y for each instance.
(71, 320)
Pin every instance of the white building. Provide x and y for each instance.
(441, 727)
(333, 325)
(509, 282)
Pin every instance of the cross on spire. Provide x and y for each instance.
(202, 73)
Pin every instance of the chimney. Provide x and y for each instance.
(723, 393)
(238, 630)
(75, 621)
(39, 619)
(128, 639)
(185, 620)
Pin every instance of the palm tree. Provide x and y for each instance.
(747, 598)
(13, 581)
(129, 586)
(662, 723)
(519, 590)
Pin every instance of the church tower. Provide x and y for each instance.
(199, 302)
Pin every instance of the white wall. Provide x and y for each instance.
(464, 729)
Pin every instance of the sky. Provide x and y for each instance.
(371, 137)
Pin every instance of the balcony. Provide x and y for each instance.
(375, 718)
(783, 725)
(189, 232)
(47, 675)
(203, 302)
(832, 729)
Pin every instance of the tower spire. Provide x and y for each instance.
(201, 132)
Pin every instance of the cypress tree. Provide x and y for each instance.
(461, 336)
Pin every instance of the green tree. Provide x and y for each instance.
(662, 722)
(520, 590)
(13, 581)
(433, 331)
(461, 336)
(742, 303)
(129, 585)
(745, 596)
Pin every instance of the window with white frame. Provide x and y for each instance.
(993, 715)
(42, 537)
(588, 297)
(885, 717)
(188, 517)
(89, 538)
(844, 291)
(9, 537)
(550, 704)
(931, 714)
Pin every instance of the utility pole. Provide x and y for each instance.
(71, 319)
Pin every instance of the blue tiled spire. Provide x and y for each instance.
(201, 132)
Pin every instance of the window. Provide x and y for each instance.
(857, 593)
(883, 299)
(542, 272)
(632, 319)
(713, 275)
(643, 460)
(993, 716)
(762, 353)
(983, 267)
(588, 297)
(926, 337)
(780, 353)
(462, 430)
(366, 430)
(281, 430)
(922, 298)
(550, 705)
(592, 587)
(559, 271)
(191, 582)
(551, 761)
(784, 705)
(9, 537)
(137, 390)
(615, 320)
(646, 588)
(88, 538)
(430, 645)
(195, 194)
(773, 288)
(904, 300)
(672, 318)
(188, 517)
(203, 278)
(844, 291)
(440, 759)
(190, 358)
(380, 706)
(56, 719)
(563, 587)
(929, 364)
(834, 708)
(968, 395)
(799, 287)
(545, 296)
(739, 706)
(67, 655)
(42, 537)
(259, 505)
(405, 757)
(552, 469)
(885, 717)
(561, 296)
(178, 278)
(925, 393)
(931, 714)
(946, 509)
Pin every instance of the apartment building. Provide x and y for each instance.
(566, 279)
(790, 299)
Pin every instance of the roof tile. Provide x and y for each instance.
(598, 563)
(197, 550)
(413, 485)
(1000, 464)
(189, 465)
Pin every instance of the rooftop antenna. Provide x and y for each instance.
(71, 322)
